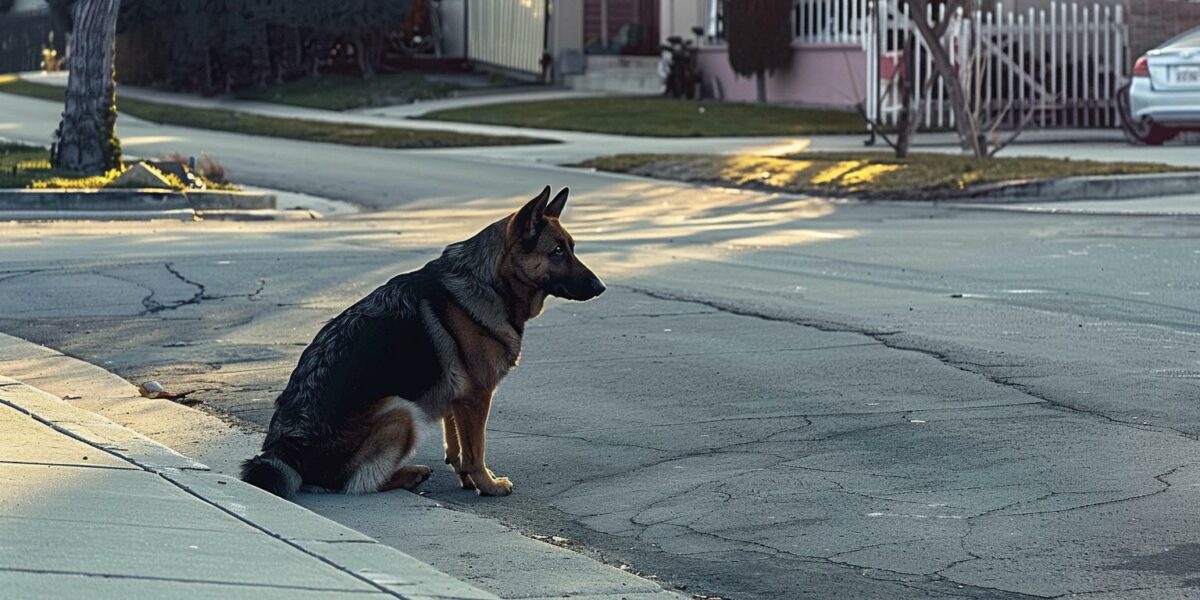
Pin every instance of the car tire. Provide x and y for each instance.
(1157, 135)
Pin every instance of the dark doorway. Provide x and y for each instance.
(620, 26)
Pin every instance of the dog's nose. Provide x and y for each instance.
(597, 287)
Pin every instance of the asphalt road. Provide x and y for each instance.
(778, 398)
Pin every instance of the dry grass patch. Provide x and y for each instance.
(869, 174)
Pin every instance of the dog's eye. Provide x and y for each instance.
(559, 250)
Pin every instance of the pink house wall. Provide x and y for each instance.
(821, 75)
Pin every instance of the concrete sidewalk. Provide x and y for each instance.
(573, 145)
(576, 146)
(91, 509)
(479, 550)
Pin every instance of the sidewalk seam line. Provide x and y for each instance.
(178, 580)
(272, 534)
(162, 474)
(64, 465)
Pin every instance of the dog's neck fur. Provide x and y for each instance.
(495, 302)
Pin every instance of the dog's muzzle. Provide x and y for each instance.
(579, 290)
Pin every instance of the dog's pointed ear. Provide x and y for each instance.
(528, 220)
(555, 208)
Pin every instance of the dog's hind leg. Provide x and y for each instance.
(378, 464)
(407, 478)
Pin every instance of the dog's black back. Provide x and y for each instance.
(376, 348)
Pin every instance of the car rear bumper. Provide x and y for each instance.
(1173, 108)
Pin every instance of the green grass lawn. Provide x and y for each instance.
(658, 117)
(333, 92)
(312, 131)
(863, 173)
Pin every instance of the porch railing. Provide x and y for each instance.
(812, 21)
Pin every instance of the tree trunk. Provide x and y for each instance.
(906, 125)
(761, 81)
(963, 122)
(86, 140)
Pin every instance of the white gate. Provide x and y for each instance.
(1062, 64)
(510, 34)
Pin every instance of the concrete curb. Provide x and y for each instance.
(388, 569)
(1066, 189)
(133, 200)
(1112, 187)
(186, 214)
(1071, 211)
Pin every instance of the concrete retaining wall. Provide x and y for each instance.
(132, 200)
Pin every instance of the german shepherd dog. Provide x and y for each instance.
(427, 345)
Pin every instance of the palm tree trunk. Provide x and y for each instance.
(86, 140)
(761, 83)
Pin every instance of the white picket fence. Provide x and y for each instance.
(1063, 64)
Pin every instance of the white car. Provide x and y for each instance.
(1164, 97)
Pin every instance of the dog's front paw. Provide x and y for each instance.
(487, 484)
(500, 486)
(464, 479)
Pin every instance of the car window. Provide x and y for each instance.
(1187, 39)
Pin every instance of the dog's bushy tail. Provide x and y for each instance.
(272, 474)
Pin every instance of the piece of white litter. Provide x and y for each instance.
(916, 421)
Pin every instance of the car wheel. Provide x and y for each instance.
(1157, 135)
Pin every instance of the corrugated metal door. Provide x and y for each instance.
(510, 34)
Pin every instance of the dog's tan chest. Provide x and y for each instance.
(485, 360)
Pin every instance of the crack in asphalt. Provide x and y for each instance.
(839, 471)
(525, 434)
(882, 337)
(966, 588)
(876, 274)
(689, 354)
(1161, 478)
(7, 275)
(969, 521)
(153, 306)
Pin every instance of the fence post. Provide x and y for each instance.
(872, 66)
(1031, 96)
(1122, 43)
(1096, 95)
